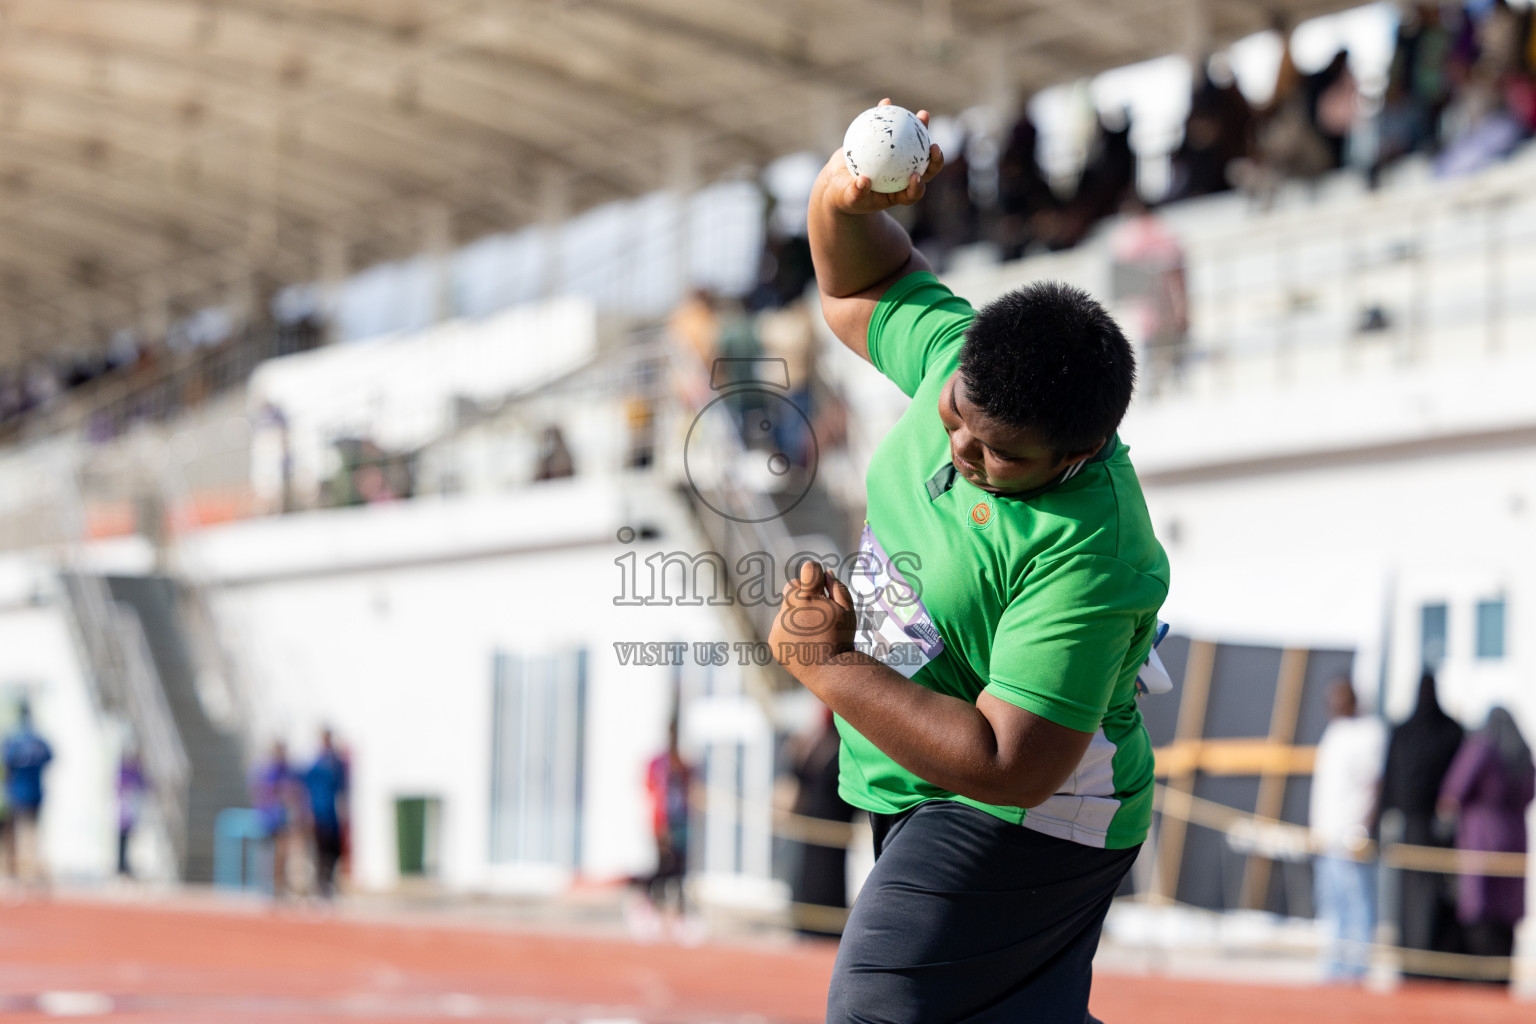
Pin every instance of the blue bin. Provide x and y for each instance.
(237, 830)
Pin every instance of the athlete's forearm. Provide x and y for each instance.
(852, 251)
(941, 739)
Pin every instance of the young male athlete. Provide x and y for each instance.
(1007, 590)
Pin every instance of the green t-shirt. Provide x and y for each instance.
(1047, 601)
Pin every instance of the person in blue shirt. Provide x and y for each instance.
(326, 781)
(25, 754)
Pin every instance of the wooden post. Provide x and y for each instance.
(1277, 771)
(1196, 689)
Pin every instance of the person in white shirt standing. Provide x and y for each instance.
(1346, 784)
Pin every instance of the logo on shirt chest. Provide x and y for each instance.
(980, 515)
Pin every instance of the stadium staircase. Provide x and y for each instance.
(214, 750)
(150, 650)
(126, 685)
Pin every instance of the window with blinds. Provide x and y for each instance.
(538, 715)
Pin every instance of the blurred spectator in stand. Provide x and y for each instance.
(796, 272)
(1416, 90)
(1519, 86)
(738, 350)
(784, 272)
(369, 481)
(1026, 204)
(1419, 752)
(1301, 133)
(326, 782)
(1108, 177)
(10, 395)
(821, 878)
(131, 789)
(1528, 31)
(1528, 38)
(1487, 789)
(81, 368)
(1217, 133)
(555, 460)
(947, 218)
(275, 794)
(1428, 56)
(788, 334)
(1148, 278)
(1345, 786)
(272, 459)
(640, 418)
(1491, 108)
(1234, 112)
(668, 780)
(26, 755)
(1333, 97)
(366, 474)
(694, 330)
(43, 385)
(122, 350)
(1500, 43)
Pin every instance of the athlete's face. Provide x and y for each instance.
(996, 457)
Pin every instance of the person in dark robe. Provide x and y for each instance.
(1108, 177)
(1419, 752)
(821, 879)
(1487, 789)
(1217, 132)
(1330, 96)
(949, 217)
(1025, 202)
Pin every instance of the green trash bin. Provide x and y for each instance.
(416, 834)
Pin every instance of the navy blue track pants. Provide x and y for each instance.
(968, 919)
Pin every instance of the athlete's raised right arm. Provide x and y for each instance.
(859, 250)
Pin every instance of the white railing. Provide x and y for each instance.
(1288, 294)
(160, 746)
(1285, 295)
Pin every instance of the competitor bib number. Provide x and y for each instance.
(894, 626)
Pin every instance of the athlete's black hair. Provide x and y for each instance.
(1048, 358)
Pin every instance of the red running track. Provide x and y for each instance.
(171, 964)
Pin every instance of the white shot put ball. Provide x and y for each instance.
(888, 145)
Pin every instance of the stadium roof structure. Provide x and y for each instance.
(159, 156)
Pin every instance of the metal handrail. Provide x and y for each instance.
(160, 745)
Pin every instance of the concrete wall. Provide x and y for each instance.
(384, 621)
